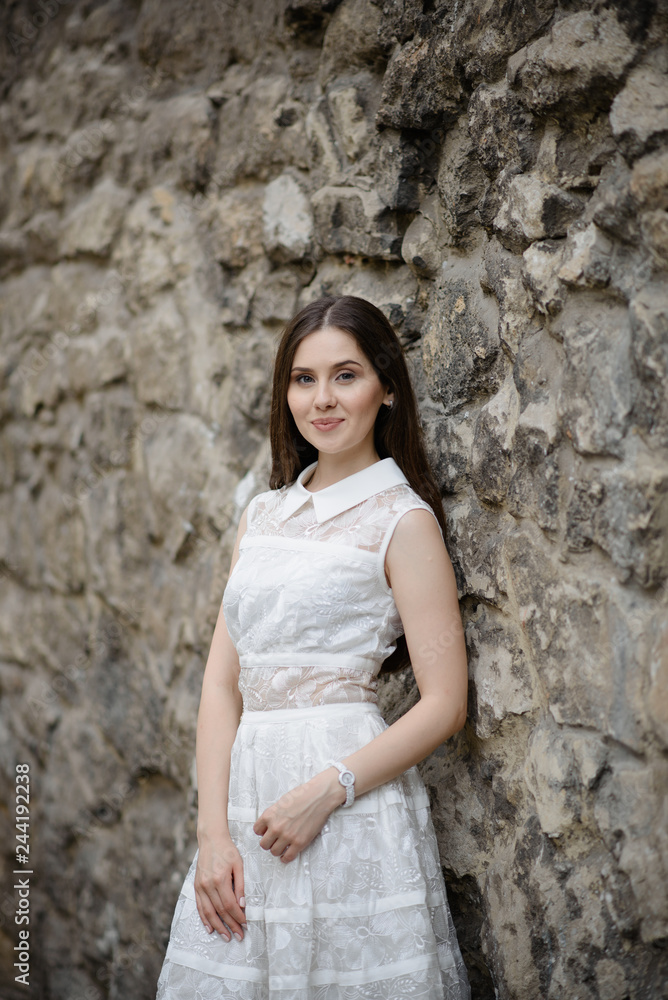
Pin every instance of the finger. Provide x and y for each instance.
(227, 907)
(209, 916)
(238, 880)
(232, 914)
(208, 893)
(279, 845)
(268, 839)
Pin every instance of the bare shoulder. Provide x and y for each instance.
(416, 544)
(416, 527)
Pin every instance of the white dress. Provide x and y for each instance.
(361, 913)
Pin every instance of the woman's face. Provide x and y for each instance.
(334, 393)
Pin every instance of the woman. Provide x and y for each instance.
(317, 875)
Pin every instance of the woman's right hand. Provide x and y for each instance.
(219, 887)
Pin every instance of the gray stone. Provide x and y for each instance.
(491, 467)
(94, 224)
(654, 229)
(355, 221)
(352, 101)
(503, 278)
(535, 486)
(649, 345)
(657, 694)
(514, 144)
(499, 673)
(625, 513)
(534, 209)
(461, 183)
(403, 165)
(586, 258)
(420, 247)
(420, 86)
(235, 222)
(637, 795)
(542, 264)
(275, 300)
(595, 400)
(580, 61)
(639, 112)
(597, 686)
(485, 36)
(613, 207)
(479, 563)
(287, 220)
(460, 346)
(352, 40)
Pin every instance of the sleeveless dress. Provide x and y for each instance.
(361, 913)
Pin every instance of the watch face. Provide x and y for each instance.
(347, 778)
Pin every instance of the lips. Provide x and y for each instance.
(327, 423)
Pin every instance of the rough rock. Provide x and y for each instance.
(287, 220)
(579, 61)
(355, 221)
(639, 113)
(461, 345)
(534, 210)
(420, 87)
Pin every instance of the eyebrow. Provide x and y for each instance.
(339, 364)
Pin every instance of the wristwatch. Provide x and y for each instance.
(347, 779)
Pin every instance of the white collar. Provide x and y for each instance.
(347, 492)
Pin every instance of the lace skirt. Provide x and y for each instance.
(360, 914)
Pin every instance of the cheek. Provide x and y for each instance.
(292, 400)
(366, 399)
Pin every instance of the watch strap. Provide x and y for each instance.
(349, 787)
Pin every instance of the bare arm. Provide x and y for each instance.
(217, 722)
(219, 876)
(425, 593)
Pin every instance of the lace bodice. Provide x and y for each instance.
(307, 604)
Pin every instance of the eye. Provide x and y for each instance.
(299, 378)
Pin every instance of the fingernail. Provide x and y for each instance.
(209, 929)
(237, 936)
(242, 901)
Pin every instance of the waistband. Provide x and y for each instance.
(311, 712)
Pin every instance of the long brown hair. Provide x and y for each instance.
(397, 431)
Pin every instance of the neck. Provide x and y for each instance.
(332, 468)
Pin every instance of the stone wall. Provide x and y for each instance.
(176, 180)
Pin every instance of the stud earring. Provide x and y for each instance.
(390, 404)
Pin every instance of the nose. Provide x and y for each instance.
(324, 394)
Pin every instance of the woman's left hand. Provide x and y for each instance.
(290, 824)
